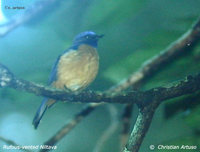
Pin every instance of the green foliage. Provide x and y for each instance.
(182, 104)
(113, 12)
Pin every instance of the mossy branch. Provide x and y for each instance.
(141, 98)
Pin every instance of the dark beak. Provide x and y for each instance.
(100, 36)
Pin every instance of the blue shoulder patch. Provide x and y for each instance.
(74, 47)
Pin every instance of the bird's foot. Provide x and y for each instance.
(67, 89)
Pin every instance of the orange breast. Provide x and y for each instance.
(77, 69)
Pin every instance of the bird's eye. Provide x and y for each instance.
(87, 37)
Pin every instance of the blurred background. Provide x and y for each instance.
(134, 32)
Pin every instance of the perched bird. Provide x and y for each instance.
(74, 69)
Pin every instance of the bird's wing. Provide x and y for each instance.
(53, 75)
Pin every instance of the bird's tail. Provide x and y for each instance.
(41, 110)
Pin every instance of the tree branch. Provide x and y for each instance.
(146, 111)
(110, 130)
(69, 126)
(141, 127)
(183, 87)
(174, 50)
(126, 121)
(177, 48)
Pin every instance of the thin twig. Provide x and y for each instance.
(177, 48)
(110, 130)
(69, 126)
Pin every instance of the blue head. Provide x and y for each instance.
(87, 37)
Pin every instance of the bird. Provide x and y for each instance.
(73, 70)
